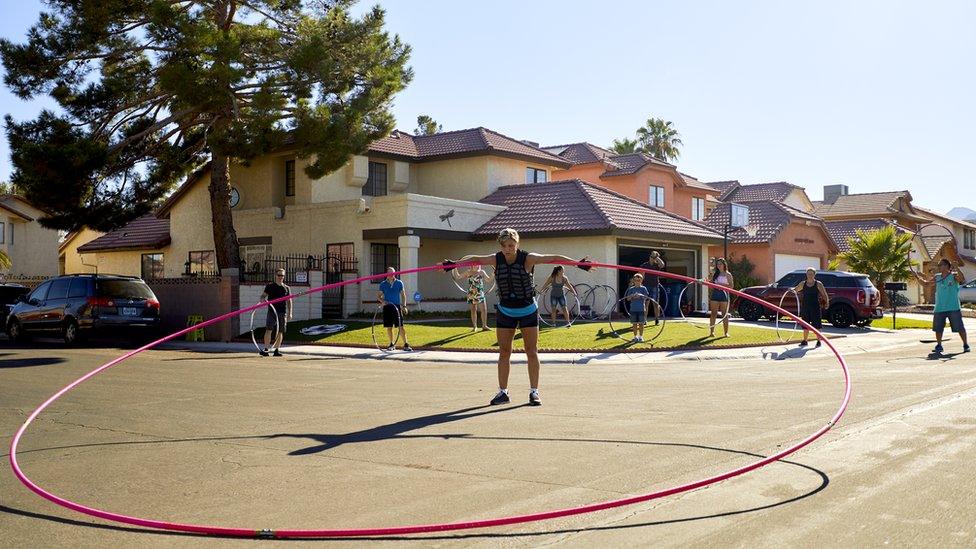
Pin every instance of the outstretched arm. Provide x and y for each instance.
(476, 259)
(536, 259)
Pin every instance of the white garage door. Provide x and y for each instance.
(786, 263)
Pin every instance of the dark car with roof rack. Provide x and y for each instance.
(74, 306)
(853, 298)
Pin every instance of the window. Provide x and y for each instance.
(1, 232)
(254, 257)
(78, 288)
(345, 250)
(203, 262)
(790, 280)
(152, 266)
(383, 256)
(533, 175)
(59, 289)
(697, 208)
(969, 238)
(656, 196)
(376, 182)
(289, 178)
(40, 293)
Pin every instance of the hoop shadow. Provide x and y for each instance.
(28, 362)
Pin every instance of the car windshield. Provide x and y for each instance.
(125, 289)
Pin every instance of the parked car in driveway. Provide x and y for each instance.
(967, 293)
(853, 298)
(9, 293)
(74, 306)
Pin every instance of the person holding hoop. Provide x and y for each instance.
(558, 282)
(655, 263)
(637, 299)
(719, 299)
(393, 297)
(517, 309)
(272, 291)
(477, 280)
(813, 300)
(947, 306)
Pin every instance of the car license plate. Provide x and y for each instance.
(129, 311)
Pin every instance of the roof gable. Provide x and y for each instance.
(147, 232)
(459, 143)
(768, 218)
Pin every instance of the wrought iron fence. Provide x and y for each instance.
(296, 267)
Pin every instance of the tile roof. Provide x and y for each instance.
(627, 164)
(724, 187)
(860, 204)
(573, 206)
(16, 212)
(768, 218)
(929, 213)
(419, 148)
(842, 231)
(147, 232)
(777, 191)
(580, 153)
(692, 181)
(934, 243)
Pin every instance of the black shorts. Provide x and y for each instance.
(503, 321)
(392, 316)
(281, 324)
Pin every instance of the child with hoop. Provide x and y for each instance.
(477, 280)
(559, 282)
(637, 299)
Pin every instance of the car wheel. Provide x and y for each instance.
(70, 333)
(16, 332)
(841, 316)
(749, 311)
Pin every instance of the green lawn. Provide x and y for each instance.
(901, 323)
(457, 334)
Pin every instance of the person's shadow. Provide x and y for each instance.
(392, 430)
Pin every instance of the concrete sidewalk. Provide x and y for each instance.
(851, 344)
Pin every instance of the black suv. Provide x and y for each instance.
(9, 294)
(76, 305)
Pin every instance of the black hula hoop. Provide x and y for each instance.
(396, 329)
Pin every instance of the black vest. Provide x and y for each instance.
(515, 287)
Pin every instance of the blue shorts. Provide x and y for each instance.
(719, 295)
(557, 301)
(954, 318)
(639, 317)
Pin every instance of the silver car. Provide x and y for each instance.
(967, 292)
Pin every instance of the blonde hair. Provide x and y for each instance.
(508, 234)
(635, 278)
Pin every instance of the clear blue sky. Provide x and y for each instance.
(878, 95)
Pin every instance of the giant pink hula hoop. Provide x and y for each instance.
(415, 529)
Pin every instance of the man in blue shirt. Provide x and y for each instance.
(393, 297)
(947, 305)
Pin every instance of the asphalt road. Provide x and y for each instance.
(234, 439)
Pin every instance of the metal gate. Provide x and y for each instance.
(332, 298)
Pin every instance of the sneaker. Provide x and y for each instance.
(803, 344)
(640, 339)
(276, 353)
(570, 325)
(634, 340)
(938, 348)
(965, 348)
(264, 352)
(391, 347)
(407, 348)
(656, 322)
(500, 398)
(534, 399)
(818, 343)
(485, 329)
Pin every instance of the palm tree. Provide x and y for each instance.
(624, 146)
(880, 254)
(659, 139)
(5, 263)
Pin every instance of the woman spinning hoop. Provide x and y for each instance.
(477, 280)
(517, 308)
(719, 299)
(558, 282)
(813, 300)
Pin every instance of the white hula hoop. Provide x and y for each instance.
(456, 272)
(718, 319)
(795, 329)
(645, 298)
(543, 313)
(598, 311)
(920, 238)
(276, 330)
(372, 329)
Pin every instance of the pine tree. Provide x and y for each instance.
(149, 90)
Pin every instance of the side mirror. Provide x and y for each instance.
(33, 302)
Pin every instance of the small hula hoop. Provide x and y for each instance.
(795, 328)
(454, 279)
(372, 329)
(276, 330)
(718, 319)
(599, 311)
(543, 313)
(921, 240)
(616, 308)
